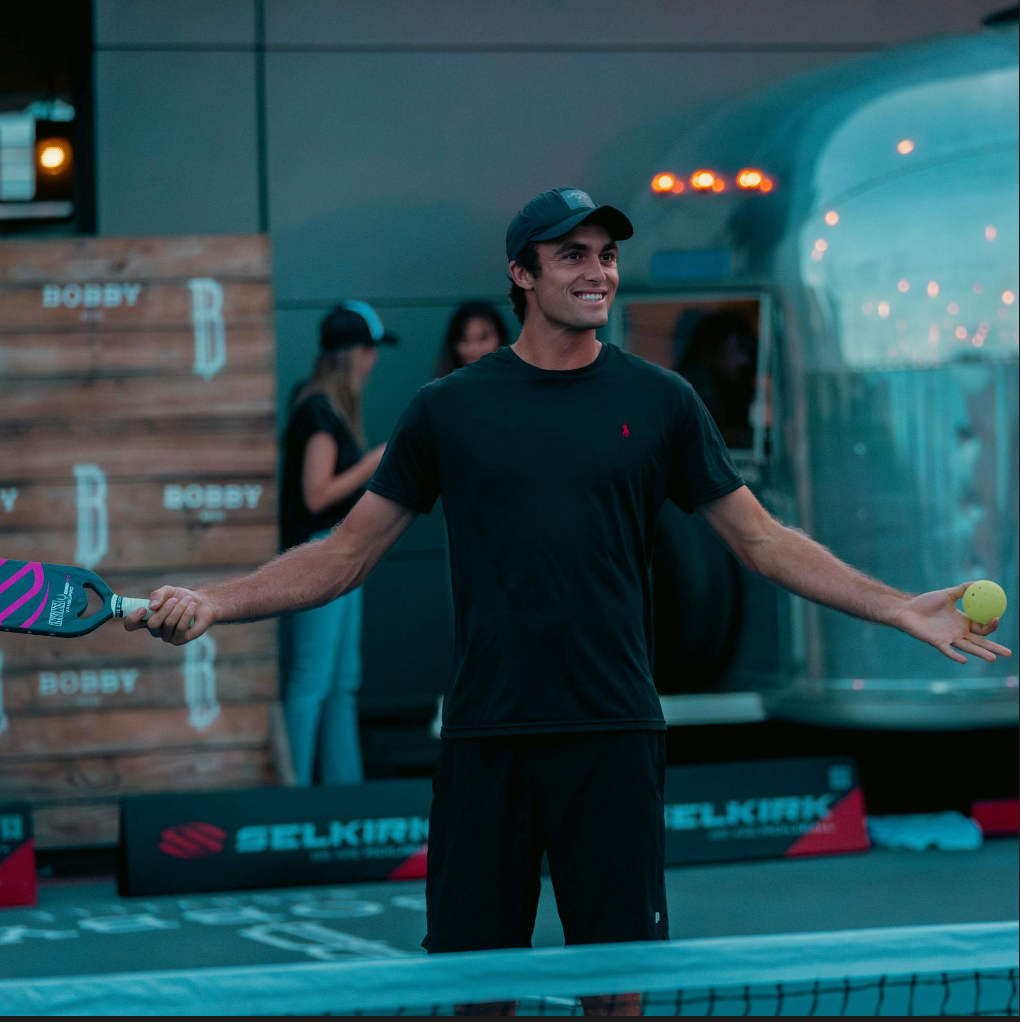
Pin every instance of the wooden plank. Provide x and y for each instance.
(243, 303)
(129, 259)
(132, 686)
(168, 352)
(170, 504)
(96, 732)
(50, 781)
(219, 449)
(151, 398)
(81, 825)
(173, 548)
(110, 646)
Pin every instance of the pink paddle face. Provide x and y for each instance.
(46, 599)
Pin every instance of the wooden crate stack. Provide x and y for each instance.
(137, 438)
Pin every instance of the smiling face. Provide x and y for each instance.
(578, 281)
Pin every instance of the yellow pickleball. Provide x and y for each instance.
(984, 601)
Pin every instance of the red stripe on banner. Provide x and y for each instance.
(413, 867)
(209, 830)
(17, 876)
(171, 840)
(844, 829)
(997, 816)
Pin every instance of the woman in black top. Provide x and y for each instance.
(324, 475)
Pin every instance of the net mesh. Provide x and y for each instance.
(962, 970)
(976, 993)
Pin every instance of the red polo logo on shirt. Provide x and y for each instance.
(626, 431)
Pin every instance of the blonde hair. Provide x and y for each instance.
(334, 379)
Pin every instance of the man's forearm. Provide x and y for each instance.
(307, 576)
(793, 560)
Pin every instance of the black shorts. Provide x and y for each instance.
(591, 801)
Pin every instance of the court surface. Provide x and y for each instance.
(85, 929)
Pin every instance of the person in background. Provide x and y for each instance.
(721, 364)
(475, 329)
(324, 475)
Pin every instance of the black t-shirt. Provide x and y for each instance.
(312, 415)
(552, 482)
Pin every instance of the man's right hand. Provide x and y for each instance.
(176, 615)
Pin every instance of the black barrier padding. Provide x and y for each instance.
(271, 837)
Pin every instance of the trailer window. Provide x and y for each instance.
(717, 344)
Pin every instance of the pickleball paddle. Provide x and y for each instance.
(37, 598)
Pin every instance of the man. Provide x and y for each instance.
(553, 457)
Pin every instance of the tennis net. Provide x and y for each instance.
(967, 969)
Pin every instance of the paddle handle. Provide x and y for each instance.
(124, 605)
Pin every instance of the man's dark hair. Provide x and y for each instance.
(528, 260)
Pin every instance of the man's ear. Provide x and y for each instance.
(521, 277)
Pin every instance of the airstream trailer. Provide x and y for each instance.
(834, 266)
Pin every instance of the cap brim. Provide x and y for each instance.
(619, 227)
(387, 339)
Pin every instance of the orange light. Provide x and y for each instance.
(718, 185)
(1008, 298)
(766, 185)
(903, 286)
(703, 180)
(961, 333)
(821, 244)
(905, 146)
(883, 309)
(53, 155)
(933, 288)
(990, 232)
(952, 308)
(832, 218)
(678, 187)
(663, 183)
(750, 178)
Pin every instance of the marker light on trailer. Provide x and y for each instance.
(53, 155)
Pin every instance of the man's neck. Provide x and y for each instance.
(550, 346)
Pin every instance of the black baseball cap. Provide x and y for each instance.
(351, 324)
(555, 213)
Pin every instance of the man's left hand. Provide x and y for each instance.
(933, 618)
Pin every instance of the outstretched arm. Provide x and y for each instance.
(307, 576)
(796, 562)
